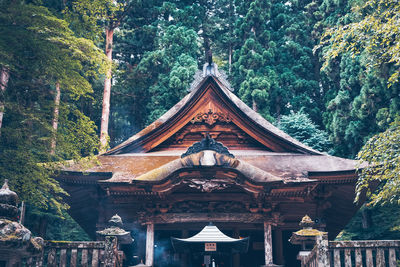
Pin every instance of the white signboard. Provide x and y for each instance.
(210, 247)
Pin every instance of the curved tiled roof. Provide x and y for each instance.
(250, 114)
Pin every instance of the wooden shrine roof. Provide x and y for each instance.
(212, 109)
(211, 95)
(290, 167)
(261, 163)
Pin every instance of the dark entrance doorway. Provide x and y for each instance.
(210, 243)
(221, 260)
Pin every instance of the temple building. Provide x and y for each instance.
(211, 158)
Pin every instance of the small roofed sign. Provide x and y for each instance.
(210, 246)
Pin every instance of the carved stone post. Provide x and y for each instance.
(268, 244)
(113, 236)
(322, 244)
(150, 244)
(110, 250)
(307, 238)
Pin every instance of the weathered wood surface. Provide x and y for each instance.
(336, 258)
(268, 243)
(392, 257)
(84, 259)
(369, 258)
(74, 257)
(150, 244)
(51, 259)
(63, 257)
(204, 217)
(380, 257)
(95, 257)
(347, 258)
(358, 257)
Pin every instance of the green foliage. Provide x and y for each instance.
(171, 66)
(373, 223)
(58, 228)
(251, 74)
(380, 163)
(40, 50)
(88, 18)
(374, 31)
(300, 126)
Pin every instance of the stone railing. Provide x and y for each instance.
(319, 256)
(374, 253)
(311, 259)
(72, 254)
(365, 253)
(18, 248)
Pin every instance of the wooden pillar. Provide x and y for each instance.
(236, 256)
(268, 244)
(278, 247)
(184, 256)
(150, 244)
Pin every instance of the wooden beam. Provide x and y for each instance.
(150, 244)
(236, 256)
(278, 248)
(205, 217)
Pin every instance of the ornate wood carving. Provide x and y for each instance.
(210, 117)
(227, 133)
(207, 143)
(203, 217)
(190, 206)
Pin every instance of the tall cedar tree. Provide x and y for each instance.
(39, 51)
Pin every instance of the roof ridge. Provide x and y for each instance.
(224, 86)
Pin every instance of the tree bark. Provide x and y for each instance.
(231, 11)
(55, 118)
(255, 106)
(230, 58)
(106, 93)
(4, 76)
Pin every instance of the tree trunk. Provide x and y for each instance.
(4, 76)
(230, 19)
(206, 32)
(55, 118)
(106, 93)
(255, 107)
(230, 58)
(42, 227)
(278, 108)
(366, 220)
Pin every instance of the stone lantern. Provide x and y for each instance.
(114, 229)
(306, 237)
(114, 236)
(16, 241)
